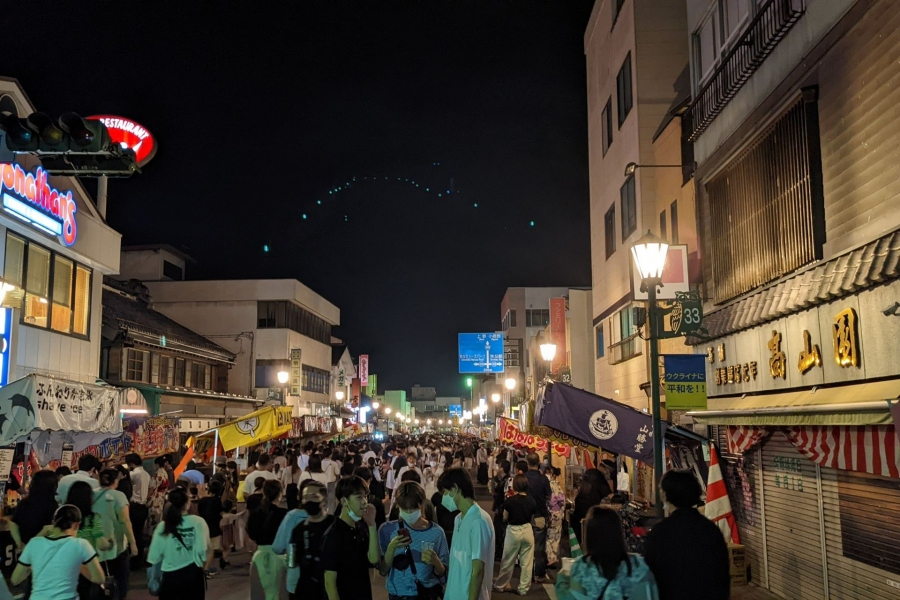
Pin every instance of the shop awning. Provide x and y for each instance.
(856, 404)
(255, 428)
(39, 403)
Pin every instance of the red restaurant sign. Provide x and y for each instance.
(129, 134)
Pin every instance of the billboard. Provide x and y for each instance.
(480, 352)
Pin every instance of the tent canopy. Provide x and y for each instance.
(41, 403)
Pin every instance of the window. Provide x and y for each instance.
(172, 271)
(662, 225)
(201, 376)
(617, 8)
(601, 349)
(674, 218)
(629, 208)
(316, 380)
(512, 318)
(137, 365)
(163, 370)
(734, 15)
(705, 49)
(283, 314)
(623, 90)
(606, 126)
(57, 290)
(537, 317)
(609, 226)
(179, 372)
(627, 343)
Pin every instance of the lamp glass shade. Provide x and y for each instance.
(548, 351)
(649, 255)
(339, 395)
(375, 405)
(283, 377)
(495, 397)
(511, 383)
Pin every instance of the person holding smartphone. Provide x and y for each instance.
(415, 550)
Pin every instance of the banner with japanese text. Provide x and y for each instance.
(509, 433)
(685, 381)
(148, 436)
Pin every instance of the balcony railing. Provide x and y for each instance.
(774, 19)
(627, 348)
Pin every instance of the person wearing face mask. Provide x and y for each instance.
(304, 527)
(415, 550)
(350, 546)
(471, 569)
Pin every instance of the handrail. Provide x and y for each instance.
(774, 19)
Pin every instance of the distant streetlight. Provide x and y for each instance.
(387, 410)
(375, 405)
(339, 395)
(416, 421)
(511, 383)
(495, 397)
(649, 254)
(440, 421)
(428, 422)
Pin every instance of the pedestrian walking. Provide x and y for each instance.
(497, 488)
(210, 509)
(557, 513)
(350, 546)
(304, 528)
(36, 510)
(112, 506)
(88, 469)
(518, 513)
(607, 571)
(291, 472)
(415, 550)
(140, 495)
(481, 457)
(686, 551)
(97, 530)
(263, 471)
(539, 487)
(472, 548)
(55, 560)
(593, 489)
(180, 545)
(262, 527)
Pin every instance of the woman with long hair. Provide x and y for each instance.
(181, 544)
(36, 510)
(291, 473)
(593, 489)
(56, 559)
(557, 510)
(95, 529)
(262, 527)
(606, 571)
(113, 506)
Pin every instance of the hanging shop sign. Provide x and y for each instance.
(508, 433)
(558, 332)
(685, 382)
(364, 369)
(129, 135)
(29, 197)
(296, 371)
(257, 427)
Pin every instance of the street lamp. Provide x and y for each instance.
(649, 255)
(339, 395)
(548, 351)
(440, 421)
(511, 383)
(495, 397)
(387, 410)
(283, 377)
(416, 421)
(375, 405)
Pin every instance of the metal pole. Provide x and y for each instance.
(102, 186)
(658, 442)
(215, 451)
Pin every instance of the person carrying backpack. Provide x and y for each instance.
(306, 538)
(606, 571)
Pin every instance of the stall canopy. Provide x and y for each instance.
(597, 421)
(39, 403)
(255, 428)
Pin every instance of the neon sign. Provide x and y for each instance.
(129, 134)
(29, 197)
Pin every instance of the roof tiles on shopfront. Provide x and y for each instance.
(867, 266)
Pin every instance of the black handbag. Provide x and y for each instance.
(425, 593)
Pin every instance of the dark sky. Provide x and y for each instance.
(261, 107)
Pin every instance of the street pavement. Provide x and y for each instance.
(234, 582)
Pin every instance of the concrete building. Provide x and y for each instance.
(795, 129)
(636, 56)
(260, 321)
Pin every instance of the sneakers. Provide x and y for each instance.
(223, 564)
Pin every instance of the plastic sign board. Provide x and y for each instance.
(481, 353)
(456, 410)
(129, 134)
(5, 344)
(685, 381)
(675, 275)
(364, 369)
(29, 197)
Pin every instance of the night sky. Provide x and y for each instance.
(259, 112)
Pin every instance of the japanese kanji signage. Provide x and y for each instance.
(685, 381)
(509, 433)
(296, 371)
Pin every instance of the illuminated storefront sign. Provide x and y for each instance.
(29, 197)
(129, 134)
(5, 342)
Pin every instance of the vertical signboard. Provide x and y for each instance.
(685, 381)
(558, 331)
(364, 369)
(296, 371)
(5, 343)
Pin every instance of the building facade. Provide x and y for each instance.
(794, 131)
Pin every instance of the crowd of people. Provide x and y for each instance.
(321, 517)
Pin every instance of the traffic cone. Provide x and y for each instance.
(574, 545)
(718, 506)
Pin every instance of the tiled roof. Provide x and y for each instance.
(127, 313)
(867, 266)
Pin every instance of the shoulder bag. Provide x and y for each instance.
(422, 592)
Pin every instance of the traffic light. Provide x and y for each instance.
(84, 135)
(50, 138)
(19, 136)
(468, 382)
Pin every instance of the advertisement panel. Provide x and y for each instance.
(558, 332)
(364, 369)
(481, 353)
(685, 381)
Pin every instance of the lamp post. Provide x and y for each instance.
(649, 254)
(283, 377)
(387, 426)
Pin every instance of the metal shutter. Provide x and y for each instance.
(792, 523)
(862, 529)
(741, 474)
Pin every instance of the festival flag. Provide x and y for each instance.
(718, 506)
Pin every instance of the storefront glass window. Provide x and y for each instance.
(37, 286)
(82, 300)
(62, 294)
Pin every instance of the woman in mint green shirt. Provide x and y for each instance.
(181, 544)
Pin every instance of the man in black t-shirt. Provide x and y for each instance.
(350, 546)
(307, 536)
(539, 487)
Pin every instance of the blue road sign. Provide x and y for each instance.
(480, 352)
